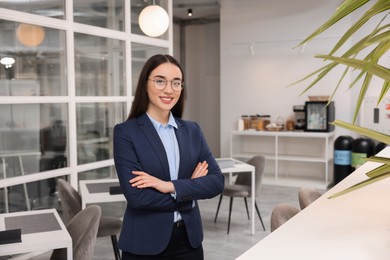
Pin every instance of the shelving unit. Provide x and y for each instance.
(293, 158)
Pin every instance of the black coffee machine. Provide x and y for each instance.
(299, 111)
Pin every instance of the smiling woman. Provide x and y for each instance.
(164, 166)
(163, 96)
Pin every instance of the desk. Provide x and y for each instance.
(97, 191)
(42, 230)
(355, 225)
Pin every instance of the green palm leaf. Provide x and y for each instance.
(378, 44)
(374, 69)
(375, 37)
(362, 93)
(379, 159)
(361, 184)
(385, 89)
(379, 7)
(364, 131)
(375, 175)
(343, 10)
(378, 171)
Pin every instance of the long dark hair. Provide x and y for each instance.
(141, 99)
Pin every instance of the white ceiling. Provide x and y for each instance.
(201, 9)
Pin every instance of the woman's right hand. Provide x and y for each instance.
(144, 180)
(200, 170)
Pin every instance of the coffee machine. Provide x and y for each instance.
(299, 111)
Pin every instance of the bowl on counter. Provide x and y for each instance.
(274, 127)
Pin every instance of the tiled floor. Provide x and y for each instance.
(217, 244)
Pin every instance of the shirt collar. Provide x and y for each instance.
(157, 125)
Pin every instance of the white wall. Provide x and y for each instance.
(256, 83)
(202, 78)
(376, 84)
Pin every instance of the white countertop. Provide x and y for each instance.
(353, 226)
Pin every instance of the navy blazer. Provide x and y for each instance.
(148, 219)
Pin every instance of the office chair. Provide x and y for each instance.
(83, 229)
(242, 188)
(71, 205)
(281, 213)
(307, 196)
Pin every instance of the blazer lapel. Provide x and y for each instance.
(151, 134)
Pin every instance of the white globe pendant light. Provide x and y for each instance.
(153, 20)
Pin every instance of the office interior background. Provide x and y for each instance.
(67, 89)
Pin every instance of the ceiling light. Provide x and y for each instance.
(30, 35)
(189, 12)
(7, 61)
(153, 20)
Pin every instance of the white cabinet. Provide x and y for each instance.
(293, 158)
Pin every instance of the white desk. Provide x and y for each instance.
(230, 166)
(97, 191)
(51, 235)
(353, 226)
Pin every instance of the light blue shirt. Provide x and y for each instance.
(168, 138)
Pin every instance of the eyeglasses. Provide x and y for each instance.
(160, 84)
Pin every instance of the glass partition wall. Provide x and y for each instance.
(68, 71)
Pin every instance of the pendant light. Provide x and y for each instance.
(153, 20)
(7, 62)
(30, 35)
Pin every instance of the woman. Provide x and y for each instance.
(164, 166)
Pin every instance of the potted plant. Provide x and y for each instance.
(378, 42)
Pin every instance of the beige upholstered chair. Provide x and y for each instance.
(83, 229)
(307, 196)
(242, 188)
(281, 213)
(71, 205)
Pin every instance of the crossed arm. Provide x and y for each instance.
(144, 180)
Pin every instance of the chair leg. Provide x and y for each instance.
(219, 204)
(258, 213)
(246, 206)
(115, 247)
(230, 213)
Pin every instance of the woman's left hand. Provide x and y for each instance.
(144, 180)
(200, 170)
